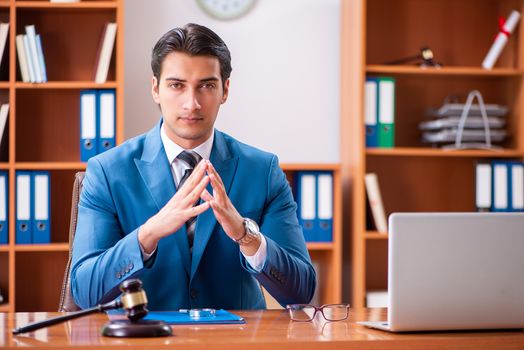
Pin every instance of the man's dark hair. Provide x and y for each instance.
(194, 40)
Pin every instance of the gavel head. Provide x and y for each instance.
(134, 299)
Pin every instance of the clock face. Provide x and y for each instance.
(226, 9)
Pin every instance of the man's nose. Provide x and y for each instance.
(191, 102)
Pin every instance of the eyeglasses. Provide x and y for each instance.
(306, 312)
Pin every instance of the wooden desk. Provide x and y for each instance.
(264, 330)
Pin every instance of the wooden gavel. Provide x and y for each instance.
(133, 300)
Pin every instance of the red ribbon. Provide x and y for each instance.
(503, 30)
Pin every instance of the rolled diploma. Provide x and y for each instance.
(501, 40)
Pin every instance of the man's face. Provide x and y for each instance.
(189, 94)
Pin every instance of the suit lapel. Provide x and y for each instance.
(226, 164)
(155, 170)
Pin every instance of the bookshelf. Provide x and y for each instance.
(412, 176)
(44, 131)
(327, 255)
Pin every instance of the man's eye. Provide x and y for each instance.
(176, 85)
(208, 86)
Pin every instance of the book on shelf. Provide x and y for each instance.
(4, 132)
(375, 202)
(4, 30)
(22, 59)
(105, 52)
(377, 298)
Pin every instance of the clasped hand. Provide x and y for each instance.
(181, 207)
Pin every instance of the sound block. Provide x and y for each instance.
(137, 329)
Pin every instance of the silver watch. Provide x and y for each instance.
(252, 231)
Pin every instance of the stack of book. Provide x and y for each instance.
(4, 30)
(31, 56)
(443, 129)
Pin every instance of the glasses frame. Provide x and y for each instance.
(319, 309)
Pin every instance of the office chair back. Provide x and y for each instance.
(67, 304)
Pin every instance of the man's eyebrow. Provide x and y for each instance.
(176, 79)
(205, 80)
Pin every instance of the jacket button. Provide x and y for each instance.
(194, 293)
(130, 266)
(118, 275)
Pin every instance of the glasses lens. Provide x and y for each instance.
(301, 312)
(335, 312)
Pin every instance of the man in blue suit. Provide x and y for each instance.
(137, 210)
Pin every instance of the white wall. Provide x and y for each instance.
(284, 92)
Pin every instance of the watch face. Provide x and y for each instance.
(226, 9)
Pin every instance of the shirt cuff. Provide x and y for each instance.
(257, 261)
(146, 256)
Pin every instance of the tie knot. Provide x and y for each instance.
(191, 158)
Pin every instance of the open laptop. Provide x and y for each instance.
(455, 271)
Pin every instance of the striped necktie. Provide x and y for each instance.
(191, 158)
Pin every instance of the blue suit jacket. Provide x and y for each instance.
(127, 185)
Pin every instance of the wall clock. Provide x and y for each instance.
(226, 9)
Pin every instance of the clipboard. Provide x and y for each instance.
(182, 318)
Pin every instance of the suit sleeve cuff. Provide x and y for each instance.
(256, 262)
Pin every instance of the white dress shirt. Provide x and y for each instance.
(178, 168)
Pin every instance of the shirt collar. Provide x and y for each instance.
(173, 150)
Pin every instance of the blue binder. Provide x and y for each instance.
(41, 207)
(4, 213)
(106, 122)
(88, 124)
(371, 111)
(306, 197)
(324, 206)
(515, 186)
(500, 188)
(23, 207)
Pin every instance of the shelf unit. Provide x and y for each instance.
(413, 177)
(327, 255)
(44, 131)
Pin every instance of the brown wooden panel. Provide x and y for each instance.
(415, 94)
(376, 264)
(415, 184)
(460, 32)
(70, 40)
(4, 275)
(48, 125)
(39, 280)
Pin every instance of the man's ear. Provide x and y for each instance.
(226, 92)
(154, 90)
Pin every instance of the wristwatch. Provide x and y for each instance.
(252, 231)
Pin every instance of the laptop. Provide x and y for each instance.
(455, 271)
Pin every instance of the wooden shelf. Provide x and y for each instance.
(50, 166)
(376, 235)
(445, 71)
(74, 5)
(435, 152)
(44, 130)
(414, 177)
(66, 85)
(310, 166)
(51, 247)
(4, 307)
(313, 246)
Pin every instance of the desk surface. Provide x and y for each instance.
(263, 330)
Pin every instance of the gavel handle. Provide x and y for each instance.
(115, 304)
